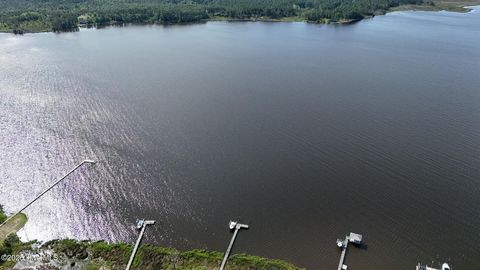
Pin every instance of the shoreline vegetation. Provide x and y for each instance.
(95, 255)
(25, 16)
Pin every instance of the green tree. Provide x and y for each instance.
(65, 23)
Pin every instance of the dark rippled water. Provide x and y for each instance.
(305, 132)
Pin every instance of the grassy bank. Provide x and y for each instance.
(12, 226)
(9, 241)
(101, 255)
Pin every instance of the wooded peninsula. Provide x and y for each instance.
(23, 16)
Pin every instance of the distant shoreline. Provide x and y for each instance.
(436, 5)
(463, 6)
(440, 5)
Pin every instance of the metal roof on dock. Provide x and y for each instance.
(355, 238)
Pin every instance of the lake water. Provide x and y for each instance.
(305, 132)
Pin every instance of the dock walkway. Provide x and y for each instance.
(344, 251)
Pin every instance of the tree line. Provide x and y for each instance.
(20, 16)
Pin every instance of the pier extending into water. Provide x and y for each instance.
(354, 238)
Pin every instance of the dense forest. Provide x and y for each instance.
(19, 16)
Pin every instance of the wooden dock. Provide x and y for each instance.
(354, 238)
